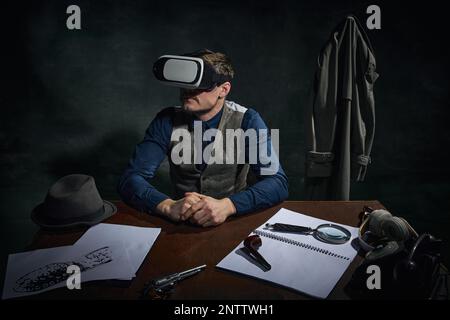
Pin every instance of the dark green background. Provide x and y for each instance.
(79, 101)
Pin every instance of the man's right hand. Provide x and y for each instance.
(175, 210)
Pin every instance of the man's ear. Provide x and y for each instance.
(225, 89)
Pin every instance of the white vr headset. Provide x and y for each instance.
(187, 72)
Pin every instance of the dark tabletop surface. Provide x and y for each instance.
(182, 246)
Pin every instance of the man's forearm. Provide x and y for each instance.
(230, 207)
(263, 194)
(139, 194)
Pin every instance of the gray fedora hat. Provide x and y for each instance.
(73, 201)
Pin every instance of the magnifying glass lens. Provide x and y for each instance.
(331, 233)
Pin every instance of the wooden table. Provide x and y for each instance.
(181, 246)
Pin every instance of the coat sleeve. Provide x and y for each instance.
(363, 134)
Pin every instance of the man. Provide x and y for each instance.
(206, 193)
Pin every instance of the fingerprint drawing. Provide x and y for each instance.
(55, 273)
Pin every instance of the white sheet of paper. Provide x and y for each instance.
(137, 240)
(21, 264)
(293, 266)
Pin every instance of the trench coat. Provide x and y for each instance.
(340, 121)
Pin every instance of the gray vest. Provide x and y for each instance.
(216, 180)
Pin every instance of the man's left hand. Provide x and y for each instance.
(209, 211)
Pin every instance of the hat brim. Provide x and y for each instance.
(38, 217)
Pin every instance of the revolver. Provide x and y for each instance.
(166, 283)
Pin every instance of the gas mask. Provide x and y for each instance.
(382, 234)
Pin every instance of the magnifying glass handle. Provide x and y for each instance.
(288, 228)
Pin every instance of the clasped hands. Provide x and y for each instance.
(198, 209)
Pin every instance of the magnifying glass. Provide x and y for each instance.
(327, 232)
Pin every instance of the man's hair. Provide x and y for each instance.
(219, 61)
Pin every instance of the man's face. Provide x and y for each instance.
(198, 101)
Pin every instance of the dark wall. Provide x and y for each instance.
(79, 101)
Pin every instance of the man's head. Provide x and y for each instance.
(202, 101)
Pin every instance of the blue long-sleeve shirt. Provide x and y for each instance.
(136, 190)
